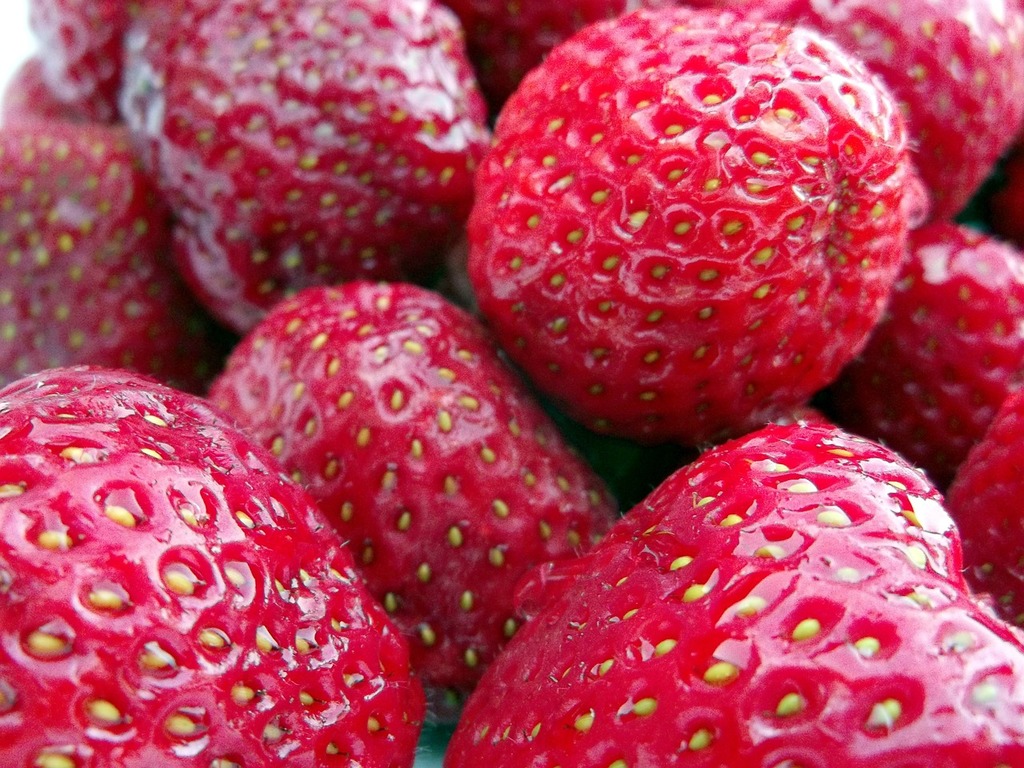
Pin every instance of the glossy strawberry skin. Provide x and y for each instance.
(984, 499)
(393, 408)
(792, 598)
(956, 67)
(87, 276)
(82, 41)
(947, 352)
(343, 147)
(170, 599)
(677, 238)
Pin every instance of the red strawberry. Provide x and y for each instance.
(168, 599)
(984, 499)
(82, 43)
(394, 409)
(508, 39)
(791, 599)
(302, 143)
(689, 223)
(86, 276)
(956, 67)
(947, 352)
(28, 96)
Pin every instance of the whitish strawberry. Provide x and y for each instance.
(689, 223)
(956, 67)
(394, 409)
(303, 142)
(167, 598)
(81, 41)
(948, 351)
(984, 499)
(86, 272)
(791, 599)
(28, 96)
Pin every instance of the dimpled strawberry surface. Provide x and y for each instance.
(688, 223)
(167, 598)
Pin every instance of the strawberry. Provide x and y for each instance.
(945, 355)
(689, 223)
(956, 67)
(167, 598)
(304, 143)
(82, 41)
(506, 40)
(393, 408)
(28, 96)
(87, 277)
(984, 499)
(791, 599)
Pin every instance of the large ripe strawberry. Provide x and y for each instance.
(168, 599)
(948, 350)
(689, 223)
(393, 408)
(303, 143)
(791, 599)
(86, 275)
(82, 45)
(984, 499)
(956, 67)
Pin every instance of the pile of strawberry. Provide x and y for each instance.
(626, 384)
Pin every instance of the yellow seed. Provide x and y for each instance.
(806, 629)
(427, 635)
(180, 582)
(104, 711)
(120, 515)
(680, 562)
(42, 643)
(645, 707)
(605, 667)
(695, 592)
(471, 657)
(496, 557)
(665, 646)
(700, 740)
(721, 673)
(214, 639)
(444, 421)
(9, 490)
(54, 760)
(584, 722)
(181, 725)
(242, 694)
(105, 599)
(54, 540)
(424, 572)
(455, 537)
(868, 646)
(834, 517)
(884, 714)
(790, 704)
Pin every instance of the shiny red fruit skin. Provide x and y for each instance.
(304, 143)
(793, 598)
(87, 276)
(424, 449)
(689, 223)
(984, 499)
(947, 352)
(167, 598)
(956, 67)
(82, 43)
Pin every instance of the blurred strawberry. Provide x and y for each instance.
(984, 499)
(948, 351)
(689, 223)
(81, 45)
(29, 97)
(168, 599)
(793, 598)
(302, 143)
(86, 278)
(394, 409)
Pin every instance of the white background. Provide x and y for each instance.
(16, 44)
